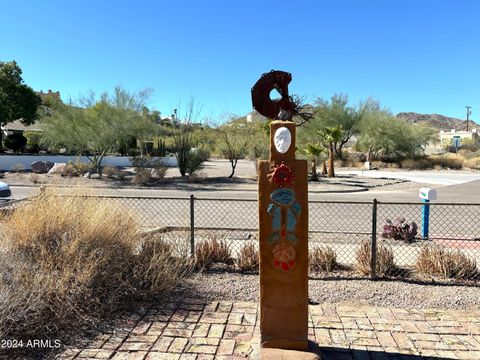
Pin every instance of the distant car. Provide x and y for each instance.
(4, 190)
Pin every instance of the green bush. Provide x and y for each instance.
(76, 168)
(148, 170)
(195, 160)
(33, 141)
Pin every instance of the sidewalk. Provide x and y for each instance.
(196, 330)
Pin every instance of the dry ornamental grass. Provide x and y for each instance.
(385, 261)
(211, 251)
(435, 260)
(68, 261)
(323, 259)
(248, 258)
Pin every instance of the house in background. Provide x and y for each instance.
(456, 138)
(16, 127)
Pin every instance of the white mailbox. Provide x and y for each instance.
(427, 194)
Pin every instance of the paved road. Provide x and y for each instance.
(444, 177)
(463, 192)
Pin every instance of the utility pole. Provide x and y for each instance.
(469, 112)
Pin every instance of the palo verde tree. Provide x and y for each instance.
(332, 113)
(17, 100)
(96, 128)
(233, 143)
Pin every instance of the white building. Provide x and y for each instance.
(457, 137)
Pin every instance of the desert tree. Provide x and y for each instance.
(233, 144)
(95, 126)
(18, 101)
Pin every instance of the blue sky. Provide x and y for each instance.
(412, 55)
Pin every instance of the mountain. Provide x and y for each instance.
(437, 121)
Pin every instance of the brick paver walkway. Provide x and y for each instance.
(197, 330)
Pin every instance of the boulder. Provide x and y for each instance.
(39, 167)
(49, 165)
(96, 176)
(58, 168)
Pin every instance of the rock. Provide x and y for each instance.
(49, 165)
(95, 176)
(58, 168)
(87, 175)
(39, 167)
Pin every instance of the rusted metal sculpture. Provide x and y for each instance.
(281, 109)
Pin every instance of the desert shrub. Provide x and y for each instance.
(435, 260)
(113, 172)
(34, 178)
(323, 259)
(211, 251)
(148, 170)
(17, 168)
(195, 160)
(156, 270)
(248, 258)
(161, 149)
(385, 260)
(417, 164)
(430, 162)
(68, 261)
(110, 171)
(16, 142)
(448, 162)
(76, 168)
(357, 156)
(393, 157)
(473, 163)
(400, 230)
(189, 159)
(33, 141)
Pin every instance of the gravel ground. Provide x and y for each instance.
(234, 286)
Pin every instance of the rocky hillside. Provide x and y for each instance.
(437, 121)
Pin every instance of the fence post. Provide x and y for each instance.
(192, 225)
(373, 262)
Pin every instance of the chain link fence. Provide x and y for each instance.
(390, 231)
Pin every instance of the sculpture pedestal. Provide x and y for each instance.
(283, 234)
(279, 354)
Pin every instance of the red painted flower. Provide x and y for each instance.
(283, 256)
(281, 175)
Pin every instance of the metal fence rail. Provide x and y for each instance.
(339, 225)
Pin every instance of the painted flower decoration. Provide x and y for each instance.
(281, 175)
(283, 256)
